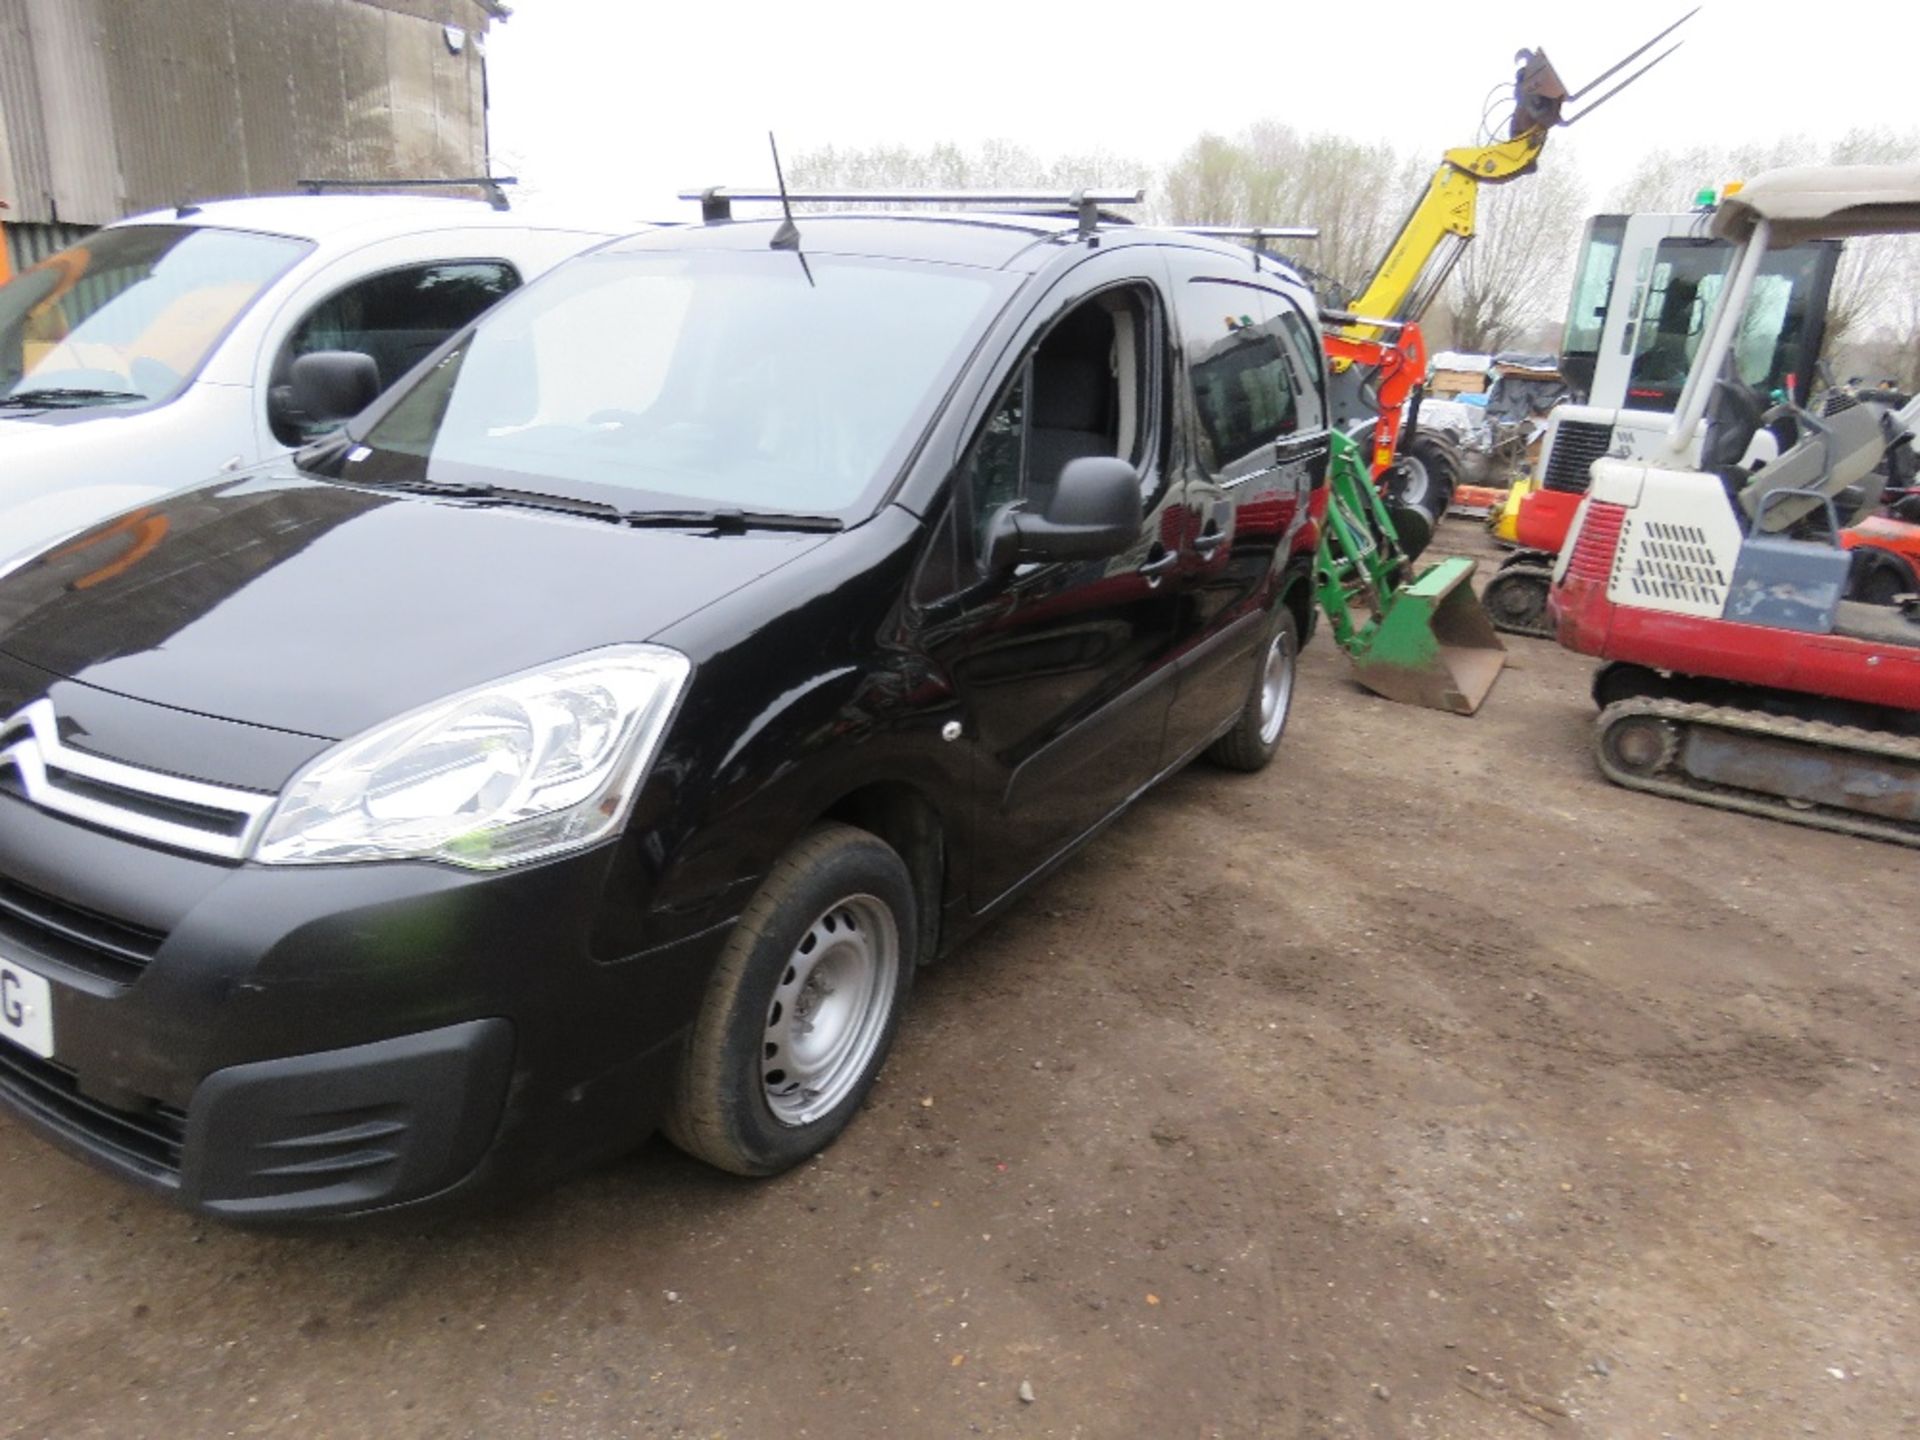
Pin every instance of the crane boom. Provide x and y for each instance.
(1430, 243)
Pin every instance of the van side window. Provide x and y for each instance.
(397, 317)
(1309, 363)
(1084, 389)
(994, 466)
(1244, 387)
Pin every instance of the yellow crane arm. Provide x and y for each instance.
(1423, 254)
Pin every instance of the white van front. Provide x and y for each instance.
(158, 351)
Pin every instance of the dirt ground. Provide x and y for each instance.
(1425, 1085)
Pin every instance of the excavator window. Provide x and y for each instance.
(1687, 278)
(1593, 283)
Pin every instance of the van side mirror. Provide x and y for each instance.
(325, 388)
(1092, 511)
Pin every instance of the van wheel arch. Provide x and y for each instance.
(912, 825)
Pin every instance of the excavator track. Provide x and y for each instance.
(1806, 772)
(1516, 597)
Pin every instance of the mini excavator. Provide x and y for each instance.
(1735, 671)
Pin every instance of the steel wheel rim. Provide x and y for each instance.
(1416, 481)
(1276, 687)
(829, 1011)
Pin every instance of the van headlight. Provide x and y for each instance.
(510, 772)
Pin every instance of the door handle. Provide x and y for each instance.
(1209, 541)
(1158, 562)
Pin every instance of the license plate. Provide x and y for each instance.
(26, 1009)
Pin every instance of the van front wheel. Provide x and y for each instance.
(801, 1008)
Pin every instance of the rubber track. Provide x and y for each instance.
(1542, 628)
(1903, 751)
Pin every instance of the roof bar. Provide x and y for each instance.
(1256, 233)
(490, 184)
(716, 202)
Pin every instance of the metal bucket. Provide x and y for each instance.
(1434, 645)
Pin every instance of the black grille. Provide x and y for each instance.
(1576, 445)
(85, 939)
(146, 1141)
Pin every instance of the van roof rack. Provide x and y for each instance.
(716, 202)
(489, 185)
(1256, 233)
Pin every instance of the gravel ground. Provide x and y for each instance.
(1425, 1085)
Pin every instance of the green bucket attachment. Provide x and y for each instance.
(1419, 638)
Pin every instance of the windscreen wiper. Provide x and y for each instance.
(53, 395)
(723, 520)
(728, 522)
(451, 489)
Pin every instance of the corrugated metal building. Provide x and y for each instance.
(108, 107)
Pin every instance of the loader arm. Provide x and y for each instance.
(1429, 244)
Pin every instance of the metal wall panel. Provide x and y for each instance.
(30, 244)
(263, 63)
(173, 78)
(367, 90)
(113, 106)
(316, 99)
(23, 146)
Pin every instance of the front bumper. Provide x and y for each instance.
(343, 1130)
(265, 1043)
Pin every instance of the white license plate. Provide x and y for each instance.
(26, 1009)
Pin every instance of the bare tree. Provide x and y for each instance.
(1513, 276)
(1271, 174)
(994, 165)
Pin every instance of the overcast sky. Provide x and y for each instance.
(622, 103)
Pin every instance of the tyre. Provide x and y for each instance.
(801, 1008)
(1411, 504)
(1878, 577)
(1444, 463)
(1262, 720)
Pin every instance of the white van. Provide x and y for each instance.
(162, 348)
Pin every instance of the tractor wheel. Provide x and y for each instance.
(1408, 490)
(1419, 487)
(1878, 577)
(1445, 465)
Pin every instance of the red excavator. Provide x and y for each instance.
(1737, 673)
(1642, 288)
